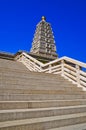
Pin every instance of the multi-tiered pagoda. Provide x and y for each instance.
(43, 42)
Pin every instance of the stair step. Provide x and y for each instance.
(38, 87)
(40, 104)
(35, 75)
(44, 122)
(23, 97)
(33, 80)
(32, 83)
(49, 91)
(19, 114)
(72, 127)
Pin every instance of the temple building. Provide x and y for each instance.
(43, 44)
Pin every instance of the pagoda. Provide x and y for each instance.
(43, 44)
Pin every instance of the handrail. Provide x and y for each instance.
(67, 59)
(31, 63)
(67, 67)
(33, 59)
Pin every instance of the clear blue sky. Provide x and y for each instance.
(18, 19)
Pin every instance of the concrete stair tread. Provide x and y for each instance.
(39, 120)
(37, 87)
(37, 81)
(24, 77)
(44, 100)
(55, 94)
(40, 104)
(47, 95)
(42, 109)
(24, 97)
(18, 114)
(37, 91)
(72, 127)
(33, 74)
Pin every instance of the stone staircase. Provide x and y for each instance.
(39, 101)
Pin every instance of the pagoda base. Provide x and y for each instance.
(42, 58)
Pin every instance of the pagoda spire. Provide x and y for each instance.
(43, 42)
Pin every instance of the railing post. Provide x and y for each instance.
(21, 58)
(78, 75)
(50, 68)
(62, 67)
(34, 66)
(41, 68)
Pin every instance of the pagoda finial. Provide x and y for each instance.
(43, 18)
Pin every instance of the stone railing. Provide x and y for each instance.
(67, 67)
(31, 63)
